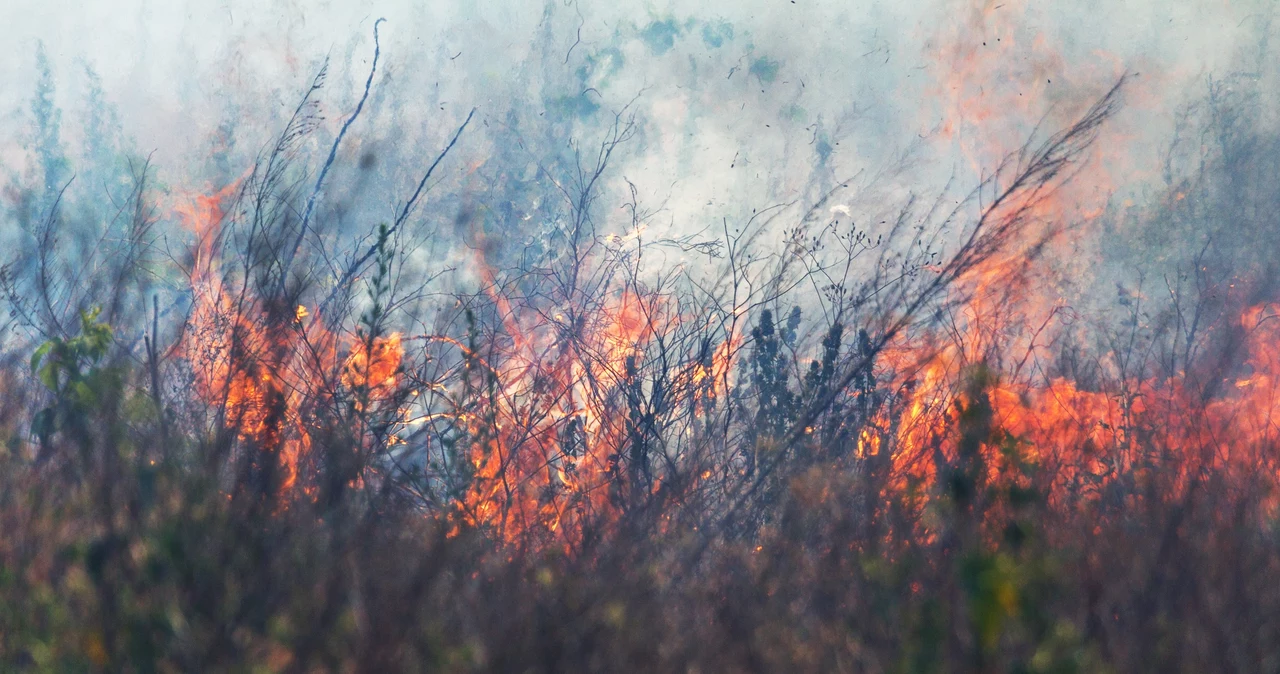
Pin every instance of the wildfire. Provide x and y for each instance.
(1082, 440)
(266, 376)
(375, 368)
(556, 431)
(549, 440)
(557, 419)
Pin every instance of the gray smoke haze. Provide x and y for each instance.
(174, 70)
(739, 106)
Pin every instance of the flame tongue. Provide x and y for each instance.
(549, 441)
(264, 374)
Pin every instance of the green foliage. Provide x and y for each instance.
(70, 369)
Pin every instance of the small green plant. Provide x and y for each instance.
(71, 370)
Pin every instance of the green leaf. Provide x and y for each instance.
(39, 355)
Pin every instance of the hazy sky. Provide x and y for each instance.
(973, 77)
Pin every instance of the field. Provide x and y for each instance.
(486, 399)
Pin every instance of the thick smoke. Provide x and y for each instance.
(742, 105)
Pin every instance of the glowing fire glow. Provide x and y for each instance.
(263, 379)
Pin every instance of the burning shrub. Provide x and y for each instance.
(585, 460)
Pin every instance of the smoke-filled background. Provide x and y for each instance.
(743, 105)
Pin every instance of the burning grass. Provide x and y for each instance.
(590, 462)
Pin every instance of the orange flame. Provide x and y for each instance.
(264, 379)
